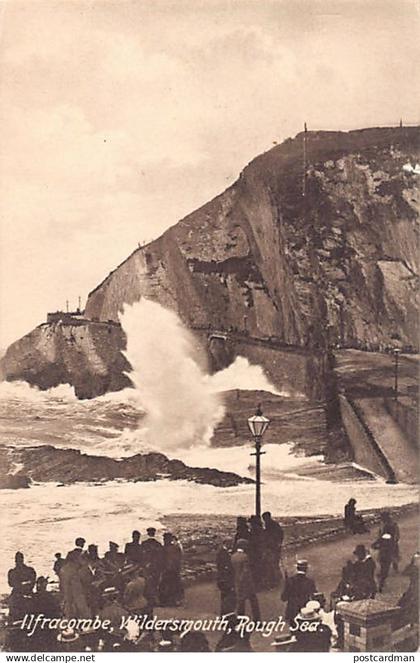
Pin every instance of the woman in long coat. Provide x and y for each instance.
(72, 587)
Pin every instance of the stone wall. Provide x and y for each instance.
(365, 452)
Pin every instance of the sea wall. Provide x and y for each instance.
(406, 414)
(365, 452)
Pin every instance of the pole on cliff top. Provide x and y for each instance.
(304, 160)
(67, 305)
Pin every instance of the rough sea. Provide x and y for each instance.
(46, 518)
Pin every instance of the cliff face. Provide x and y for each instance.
(336, 265)
(87, 356)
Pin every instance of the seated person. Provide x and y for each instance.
(353, 522)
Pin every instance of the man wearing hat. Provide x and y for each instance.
(68, 640)
(298, 589)
(114, 560)
(132, 549)
(311, 634)
(364, 586)
(244, 580)
(152, 555)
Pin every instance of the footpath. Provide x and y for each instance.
(326, 560)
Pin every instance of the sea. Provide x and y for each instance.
(170, 387)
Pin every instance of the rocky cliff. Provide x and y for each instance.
(307, 253)
(338, 264)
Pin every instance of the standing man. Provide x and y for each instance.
(22, 580)
(170, 587)
(298, 590)
(244, 580)
(79, 545)
(385, 547)
(256, 551)
(225, 579)
(363, 575)
(132, 549)
(389, 526)
(274, 536)
(152, 556)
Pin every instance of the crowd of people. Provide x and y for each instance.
(147, 574)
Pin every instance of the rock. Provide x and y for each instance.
(14, 481)
(257, 259)
(67, 466)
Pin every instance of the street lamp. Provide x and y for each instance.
(258, 424)
(397, 353)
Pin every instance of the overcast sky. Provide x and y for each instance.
(119, 117)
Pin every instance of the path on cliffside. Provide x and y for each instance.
(398, 450)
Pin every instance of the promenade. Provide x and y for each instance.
(326, 560)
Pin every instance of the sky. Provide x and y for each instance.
(118, 118)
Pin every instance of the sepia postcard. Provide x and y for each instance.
(209, 331)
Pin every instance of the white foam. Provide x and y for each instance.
(46, 519)
(181, 409)
(21, 390)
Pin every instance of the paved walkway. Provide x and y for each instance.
(326, 560)
(395, 446)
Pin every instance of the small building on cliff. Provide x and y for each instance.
(66, 317)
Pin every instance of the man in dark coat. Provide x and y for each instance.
(152, 556)
(274, 536)
(312, 635)
(22, 580)
(58, 564)
(225, 579)
(363, 575)
(133, 549)
(242, 530)
(256, 551)
(47, 604)
(298, 590)
(385, 547)
(409, 601)
(170, 587)
(79, 545)
(389, 526)
(244, 580)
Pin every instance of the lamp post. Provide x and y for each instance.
(397, 353)
(258, 424)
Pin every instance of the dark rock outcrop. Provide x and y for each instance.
(48, 463)
(86, 355)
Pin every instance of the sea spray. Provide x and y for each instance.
(20, 390)
(181, 408)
